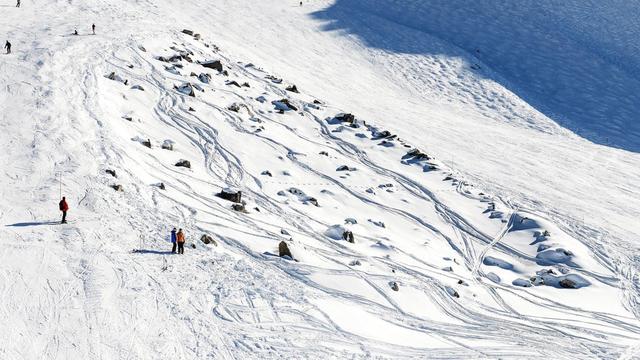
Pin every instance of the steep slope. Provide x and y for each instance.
(442, 265)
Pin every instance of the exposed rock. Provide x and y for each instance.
(232, 82)
(348, 236)
(239, 208)
(213, 64)
(186, 89)
(111, 172)
(208, 240)
(117, 188)
(274, 79)
(394, 286)
(313, 201)
(324, 153)
(136, 87)
(245, 84)
(283, 250)
(348, 118)
(345, 168)
(382, 135)
(292, 88)
(568, 284)
(284, 105)
(161, 186)
(355, 263)
(168, 144)
(230, 195)
(234, 107)
(205, 78)
(188, 32)
(128, 118)
(447, 268)
(266, 173)
(351, 221)
(142, 48)
(147, 143)
(197, 36)
(284, 232)
(416, 154)
(191, 109)
(452, 292)
(184, 163)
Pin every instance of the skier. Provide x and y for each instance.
(18, 3)
(180, 241)
(64, 207)
(93, 28)
(8, 47)
(173, 240)
(75, 32)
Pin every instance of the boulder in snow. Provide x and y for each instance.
(186, 89)
(168, 144)
(117, 188)
(230, 195)
(208, 240)
(187, 31)
(292, 88)
(283, 250)
(111, 172)
(284, 105)
(394, 286)
(184, 163)
(213, 64)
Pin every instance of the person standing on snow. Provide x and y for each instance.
(8, 47)
(93, 28)
(64, 207)
(174, 240)
(18, 3)
(180, 241)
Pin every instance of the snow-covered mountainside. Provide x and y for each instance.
(447, 180)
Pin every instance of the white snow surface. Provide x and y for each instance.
(526, 111)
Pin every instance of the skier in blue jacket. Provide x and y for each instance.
(174, 240)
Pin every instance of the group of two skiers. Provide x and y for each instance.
(177, 237)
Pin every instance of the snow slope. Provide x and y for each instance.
(475, 239)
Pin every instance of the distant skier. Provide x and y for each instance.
(8, 47)
(18, 3)
(64, 207)
(180, 240)
(93, 28)
(173, 240)
(75, 32)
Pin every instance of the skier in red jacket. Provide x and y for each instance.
(64, 207)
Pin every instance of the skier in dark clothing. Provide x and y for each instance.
(18, 3)
(93, 28)
(180, 240)
(8, 47)
(64, 207)
(174, 240)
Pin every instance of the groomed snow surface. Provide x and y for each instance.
(490, 216)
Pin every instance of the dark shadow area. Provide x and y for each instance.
(577, 62)
(153, 252)
(34, 223)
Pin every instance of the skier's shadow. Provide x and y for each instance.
(154, 252)
(34, 223)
